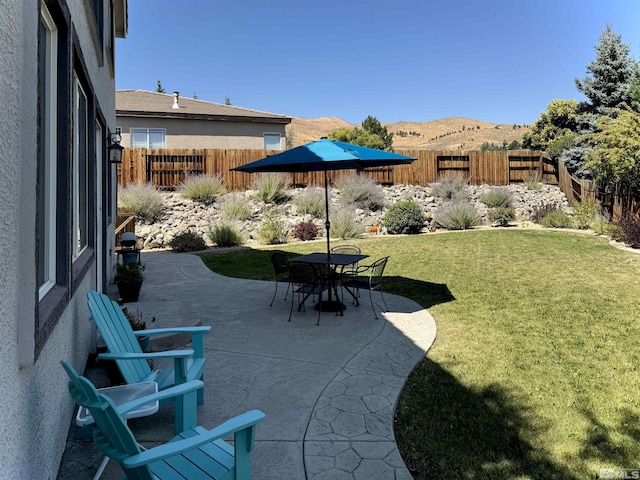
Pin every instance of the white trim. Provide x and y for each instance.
(79, 241)
(148, 131)
(50, 153)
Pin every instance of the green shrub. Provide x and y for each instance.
(541, 212)
(202, 188)
(502, 216)
(404, 216)
(557, 219)
(142, 199)
(600, 225)
(450, 188)
(270, 188)
(584, 213)
(224, 235)
(305, 231)
(187, 241)
(345, 224)
(497, 197)
(271, 230)
(235, 208)
(360, 191)
(457, 216)
(630, 229)
(310, 201)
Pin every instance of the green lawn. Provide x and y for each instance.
(534, 373)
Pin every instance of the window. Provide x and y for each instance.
(148, 138)
(47, 155)
(272, 141)
(80, 169)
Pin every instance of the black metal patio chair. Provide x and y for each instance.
(370, 278)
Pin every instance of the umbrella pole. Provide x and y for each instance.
(327, 224)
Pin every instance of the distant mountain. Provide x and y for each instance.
(452, 133)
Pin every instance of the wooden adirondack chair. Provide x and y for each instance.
(194, 454)
(124, 348)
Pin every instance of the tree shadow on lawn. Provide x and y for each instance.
(602, 445)
(427, 294)
(446, 430)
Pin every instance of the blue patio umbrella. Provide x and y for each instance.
(325, 155)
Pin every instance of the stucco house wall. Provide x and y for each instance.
(192, 133)
(36, 409)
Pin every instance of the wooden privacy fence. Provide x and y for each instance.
(125, 222)
(613, 204)
(167, 168)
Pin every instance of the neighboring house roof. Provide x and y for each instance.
(142, 103)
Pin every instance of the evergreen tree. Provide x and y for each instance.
(612, 72)
(159, 88)
(373, 126)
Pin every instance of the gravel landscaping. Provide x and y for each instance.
(180, 214)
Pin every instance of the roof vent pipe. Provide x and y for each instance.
(176, 96)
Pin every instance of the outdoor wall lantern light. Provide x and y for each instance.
(114, 148)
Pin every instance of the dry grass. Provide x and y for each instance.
(450, 130)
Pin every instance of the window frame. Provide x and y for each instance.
(47, 162)
(147, 132)
(272, 134)
(80, 177)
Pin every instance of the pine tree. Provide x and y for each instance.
(159, 88)
(612, 72)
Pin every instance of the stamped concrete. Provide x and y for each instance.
(329, 392)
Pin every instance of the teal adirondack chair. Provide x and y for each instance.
(124, 348)
(194, 454)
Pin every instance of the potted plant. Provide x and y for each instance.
(136, 322)
(129, 280)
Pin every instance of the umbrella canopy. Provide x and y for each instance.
(324, 155)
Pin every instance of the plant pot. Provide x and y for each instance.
(432, 228)
(144, 342)
(129, 292)
(373, 229)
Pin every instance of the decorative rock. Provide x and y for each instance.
(182, 214)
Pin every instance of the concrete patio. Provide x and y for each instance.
(329, 392)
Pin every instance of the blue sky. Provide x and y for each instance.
(499, 61)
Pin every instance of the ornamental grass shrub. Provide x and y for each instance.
(450, 188)
(270, 188)
(271, 230)
(557, 219)
(584, 213)
(502, 216)
(533, 181)
(497, 197)
(235, 207)
(202, 188)
(404, 216)
(457, 216)
(187, 241)
(225, 235)
(305, 230)
(345, 224)
(361, 192)
(310, 201)
(600, 225)
(144, 200)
